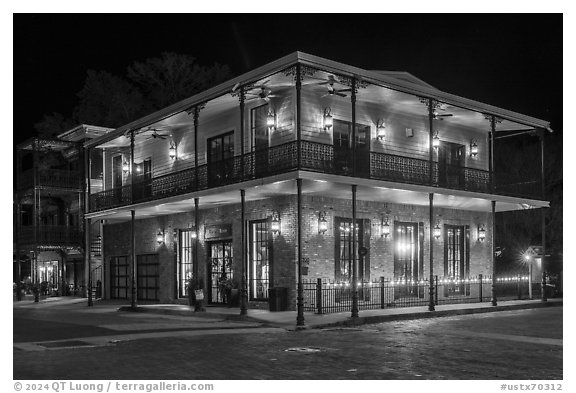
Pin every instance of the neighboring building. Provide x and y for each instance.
(210, 187)
(49, 206)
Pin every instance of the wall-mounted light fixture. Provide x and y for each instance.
(126, 167)
(481, 233)
(436, 141)
(193, 233)
(160, 236)
(328, 120)
(322, 223)
(437, 231)
(275, 223)
(380, 130)
(271, 120)
(473, 148)
(172, 150)
(384, 228)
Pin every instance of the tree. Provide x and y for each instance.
(108, 100)
(53, 124)
(173, 77)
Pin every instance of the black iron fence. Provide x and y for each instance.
(316, 157)
(322, 297)
(50, 178)
(51, 235)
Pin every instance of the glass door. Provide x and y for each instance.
(450, 163)
(220, 273)
(408, 268)
(260, 139)
(220, 159)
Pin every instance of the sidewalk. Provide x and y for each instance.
(287, 319)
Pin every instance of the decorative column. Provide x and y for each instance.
(298, 115)
(494, 300)
(132, 166)
(431, 106)
(242, 106)
(354, 256)
(300, 295)
(196, 116)
(353, 101)
(133, 275)
(543, 215)
(195, 267)
(492, 139)
(87, 256)
(431, 305)
(244, 299)
(36, 218)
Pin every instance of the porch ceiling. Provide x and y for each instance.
(314, 184)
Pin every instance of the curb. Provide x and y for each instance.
(433, 314)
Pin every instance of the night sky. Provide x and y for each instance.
(511, 61)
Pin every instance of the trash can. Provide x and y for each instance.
(278, 299)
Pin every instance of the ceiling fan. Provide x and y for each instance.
(263, 94)
(156, 135)
(331, 89)
(441, 116)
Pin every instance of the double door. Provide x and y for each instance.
(408, 258)
(451, 165)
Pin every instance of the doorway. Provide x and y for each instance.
(456, 258)
(450, 163)
(260, 139)
(408, 258)
(220, 272)
(343, 158)
(220, 159)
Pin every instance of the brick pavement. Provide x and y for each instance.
(415, 349)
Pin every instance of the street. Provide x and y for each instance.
(76, 342)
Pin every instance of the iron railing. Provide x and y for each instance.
(324, 297)
(315, 157)
(50, 178)
(51, 235)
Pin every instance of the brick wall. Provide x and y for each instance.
(318, 249)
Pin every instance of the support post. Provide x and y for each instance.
(494, 300)
(431, 143)
(133, 275)
(300, 295)
(132, 166)
(480, 288)
(242, 106)
(353, 101)
(431, 302)
(544, 279)
(244, 300)
(88, 255)
(382, 301)
(530, 279)
(196, 116)
(298, 115)
(492, 139)
(198, 284)
(354, 256)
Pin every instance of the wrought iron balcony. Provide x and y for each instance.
(51, 236)
(50, 178)
(315, 157)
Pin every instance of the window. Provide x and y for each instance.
(185, 260)
(260, 259)
(456, 256)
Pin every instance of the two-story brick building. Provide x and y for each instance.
(256, 183)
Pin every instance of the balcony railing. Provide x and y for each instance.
(52, 178)
(315, 157)
(51, 235)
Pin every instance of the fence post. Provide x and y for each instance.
(319, 295)
(381, 292)
(480, 287)
(519, 287)
(436, 289)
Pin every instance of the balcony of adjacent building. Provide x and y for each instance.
(283, 123)
(49, 164)
(50, 236)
